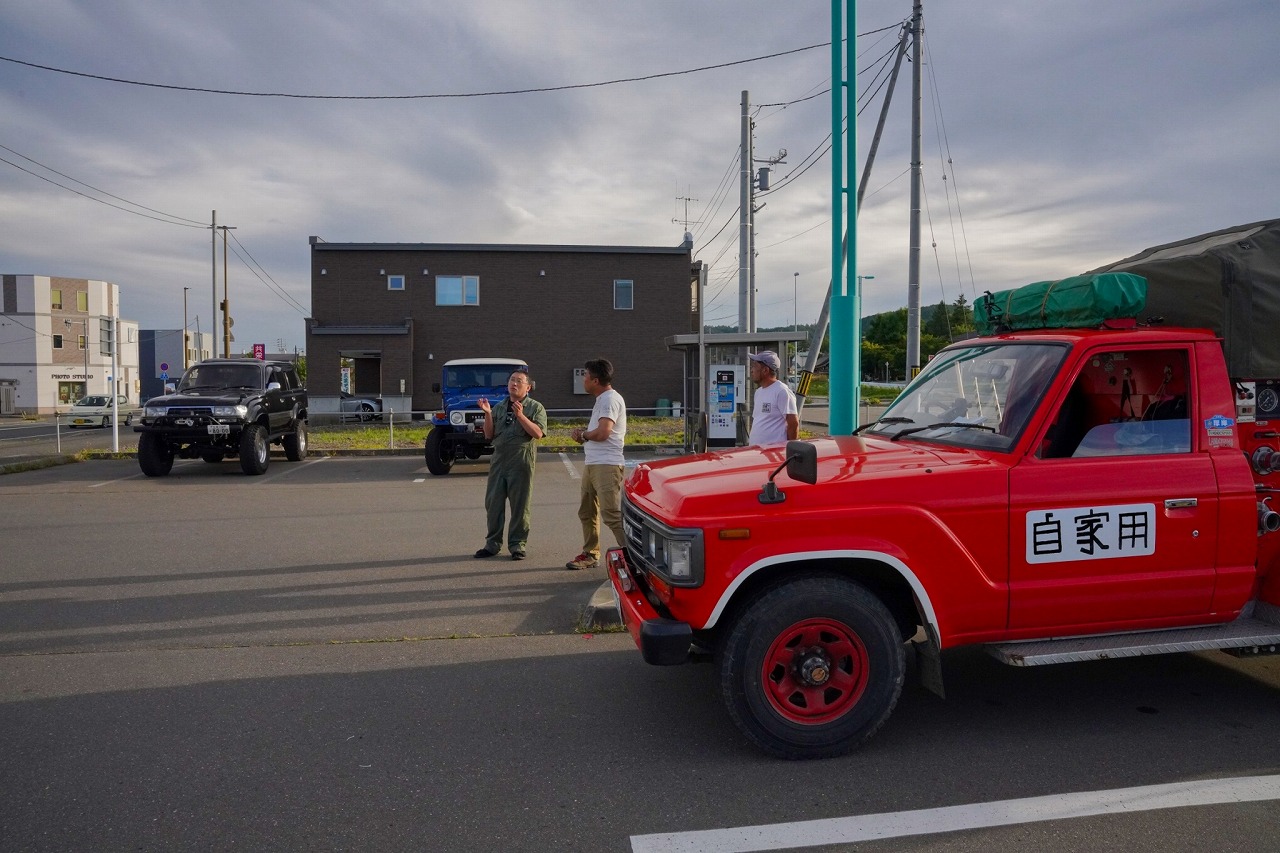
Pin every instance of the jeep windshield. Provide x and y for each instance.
(221, 376)
(465, 378)
(973, 396)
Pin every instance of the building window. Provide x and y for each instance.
(55, 299)
(57, 341)
(84, 343)
(457, 290)
(82, 301)
(623, 294)
(395, 282)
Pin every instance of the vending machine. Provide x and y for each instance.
(726, 391)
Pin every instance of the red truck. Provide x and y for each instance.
(1052, 494)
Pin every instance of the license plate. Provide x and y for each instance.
(219, 429)
(81, 421)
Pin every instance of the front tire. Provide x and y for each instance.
(254, 450)
(439, 452)
(295, 444)
(366, 413)
(812, 668)
(106, 421)
(155, 457)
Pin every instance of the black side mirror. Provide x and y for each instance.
(801, 464)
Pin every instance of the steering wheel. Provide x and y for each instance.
(945, 411)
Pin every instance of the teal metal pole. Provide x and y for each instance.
(844, 360)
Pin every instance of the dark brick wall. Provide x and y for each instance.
(550, 306)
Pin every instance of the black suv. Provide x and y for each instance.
(222, 408)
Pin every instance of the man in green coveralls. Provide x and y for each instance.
(512, 426)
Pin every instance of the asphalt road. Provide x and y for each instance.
(311, 660)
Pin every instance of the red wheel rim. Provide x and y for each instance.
(815, 671)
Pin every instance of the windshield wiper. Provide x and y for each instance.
(883, 421)
(899, 435)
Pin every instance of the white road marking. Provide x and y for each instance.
(573, 472)
(419, 479)
(813, 833)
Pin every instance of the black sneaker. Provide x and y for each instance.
(485, 552)
(517, 555)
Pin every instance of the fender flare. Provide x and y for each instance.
(929, 614)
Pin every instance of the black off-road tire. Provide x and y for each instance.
(295, 443)
(439, 453)
(255, 454)
(155, 457)
(812, 668)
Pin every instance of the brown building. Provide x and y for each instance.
(399, 311)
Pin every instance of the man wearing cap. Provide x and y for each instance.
(775, 419)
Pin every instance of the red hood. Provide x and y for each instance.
(696, 489)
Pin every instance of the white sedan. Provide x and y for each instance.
(96, 411)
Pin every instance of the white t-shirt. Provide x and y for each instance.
(769, 420)
(609, 452)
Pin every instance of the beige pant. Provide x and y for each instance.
(601, 498)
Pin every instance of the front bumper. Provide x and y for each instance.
(662, 641)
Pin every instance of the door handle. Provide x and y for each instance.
(1181, 503)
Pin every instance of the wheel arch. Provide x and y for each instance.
(886, 576)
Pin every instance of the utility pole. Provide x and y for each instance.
(913, 255)
(226, 302)
(213, 252)
(185, 347)
(745, 321)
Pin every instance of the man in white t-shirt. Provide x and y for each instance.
(602, 448)
(775, 419)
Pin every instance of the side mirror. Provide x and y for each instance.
(273, 386)
(801, 464)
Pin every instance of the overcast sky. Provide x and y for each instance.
(1071, 134)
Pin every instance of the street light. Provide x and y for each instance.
(860, 278)
(795, 301)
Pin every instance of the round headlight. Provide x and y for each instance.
(457, 418)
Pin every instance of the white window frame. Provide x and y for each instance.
(395, 282)
(629, 286)
(458, 290)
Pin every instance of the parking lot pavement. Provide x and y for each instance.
(311, 660)
(327, 550)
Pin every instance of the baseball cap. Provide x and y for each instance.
(768, 358)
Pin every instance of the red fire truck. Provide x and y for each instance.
(1088, 489)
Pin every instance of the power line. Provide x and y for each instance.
(415, 97)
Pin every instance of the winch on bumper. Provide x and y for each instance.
(662, 641)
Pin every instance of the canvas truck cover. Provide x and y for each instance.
(1080, 301)
(1227, 281)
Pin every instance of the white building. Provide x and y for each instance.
(53, 343)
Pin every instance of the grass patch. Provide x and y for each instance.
(640, 431)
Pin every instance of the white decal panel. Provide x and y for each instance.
(1091, 533)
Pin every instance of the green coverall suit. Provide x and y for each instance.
(511, 475)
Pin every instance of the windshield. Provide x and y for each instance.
(480, 376)
(94, 401)
(221, 376)
(977, 396)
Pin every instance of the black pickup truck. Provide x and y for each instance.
(226, 408)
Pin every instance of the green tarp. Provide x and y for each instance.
(1081, 301)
